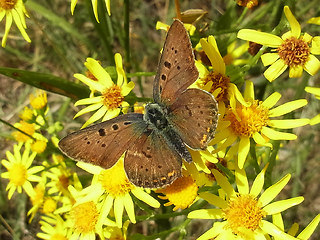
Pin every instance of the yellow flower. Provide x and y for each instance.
(13, 9)
(26, 115)
(20, 174)
(111, 100)
(243, 123)
(216, 81)
(28, 128)
(293, 50)
(316, 92)
(304, 234)
(85, 218)
(53, 227)
(181, 193)
(244, 211)
(37, 199)
(115, 191)
(60, 177)
(38, 100)
(94, 6)
(314, 20)
(39, 146)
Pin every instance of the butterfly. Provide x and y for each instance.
(155, 142)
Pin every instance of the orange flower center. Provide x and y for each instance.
(7, 4)
(294, 52)
(250, 119)
(247, 3)
(112, 97)
(218, 81)
(243, 213)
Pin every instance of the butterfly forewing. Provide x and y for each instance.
(150, 162)
(176, 69)
(103, 144)
(194, 115)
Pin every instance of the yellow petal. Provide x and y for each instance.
(258, 183)
(244, 146)
(271, 192)
(313, 90)
(294, 24)
(289, 123)
(307, 232)
(276, 135)
(271, 229)
(242, 181)
(275, 70)
(213, 54)
(315, 120)
(249, 91)
(314, 20)
(94, 85)
(269, 58)
(295, 71)
(128, 205)
(145, 197)
(95, 9)
(213, 199)
(280, 206)
(98, 71)
(206, 214)
(108, 6)
(125, 89)
(262, 38)
(260, 140)
(95, 117)
(312, 66)
(90, 108)
(118, 210)
(271, 100)
(73, 5)
(7, 29)
(224, 183)
(86, 101)
(287, 107)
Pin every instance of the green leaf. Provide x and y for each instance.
(47, 82)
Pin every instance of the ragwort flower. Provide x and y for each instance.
(244, 211)
(13, 10)
(20, 173)
(293, 50)
(114, 191)
(111, 100)
(254, 121)
(216, 81)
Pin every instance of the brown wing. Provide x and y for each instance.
(103, 144)
(151, 163)
(176, 69)
(194, 115)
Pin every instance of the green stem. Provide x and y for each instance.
(10, 125)
(127, 33)
(103, 28)
(272, 163)
(253, 155)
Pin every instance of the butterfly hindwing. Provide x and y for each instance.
(176, 69)
(194, 115)
(150, 162)
(102, 144)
